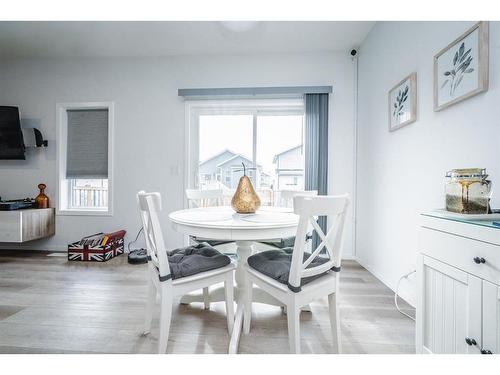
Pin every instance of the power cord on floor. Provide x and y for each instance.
(137, 256)
(136, 238)
(405, 276)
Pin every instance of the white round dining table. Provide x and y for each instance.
(222, 223)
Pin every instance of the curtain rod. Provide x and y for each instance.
(251, 91)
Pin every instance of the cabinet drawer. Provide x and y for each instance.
(10, 228)
(460, 253)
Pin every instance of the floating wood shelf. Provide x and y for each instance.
(27, 225)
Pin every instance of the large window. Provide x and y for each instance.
(265, 135)
(84, 154)
(280, 151)
(225, 142)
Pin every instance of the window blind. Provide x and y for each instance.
(87, 148)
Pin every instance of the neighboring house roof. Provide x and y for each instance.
(217, 155)
(249, 161)
(275, 159)
(231, 156)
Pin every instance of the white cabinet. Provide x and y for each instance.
(458, 301)
(491, 317)
(451, 297)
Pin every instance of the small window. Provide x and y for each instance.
(88, 193)
(85, 134)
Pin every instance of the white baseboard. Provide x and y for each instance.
(403, 292)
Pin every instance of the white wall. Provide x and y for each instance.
(402, 173)
(149, 123)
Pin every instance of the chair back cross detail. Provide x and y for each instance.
(309, 209)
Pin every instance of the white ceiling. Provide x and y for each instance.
(142, 39)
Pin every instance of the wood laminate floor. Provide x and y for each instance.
(50, 305)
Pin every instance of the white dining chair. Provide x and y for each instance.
(164, 281)
(286, 200)
(204, 198)
(296, 278)
(286, 196)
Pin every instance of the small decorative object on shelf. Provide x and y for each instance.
(468, 191)
(42, 201)
(245, 199)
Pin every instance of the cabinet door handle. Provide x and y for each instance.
(483, 351)
(479, 260)
(470, 341)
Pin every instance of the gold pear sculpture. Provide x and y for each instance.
(245, 199)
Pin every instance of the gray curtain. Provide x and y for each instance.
(316, 149)
(87, 150)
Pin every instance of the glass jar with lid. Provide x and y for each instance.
(468, 191)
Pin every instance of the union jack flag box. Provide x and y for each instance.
(109, 246)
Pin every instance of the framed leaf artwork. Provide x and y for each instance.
(461, 68)
(403, 103)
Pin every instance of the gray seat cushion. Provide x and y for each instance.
(191, 260)
(210, 242)
(276, 265)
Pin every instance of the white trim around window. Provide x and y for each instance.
(62, 138)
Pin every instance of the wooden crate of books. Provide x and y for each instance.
(98, 247)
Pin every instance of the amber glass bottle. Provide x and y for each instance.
(42, 201)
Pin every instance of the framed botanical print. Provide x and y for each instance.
(403, 103)
(461, 68)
